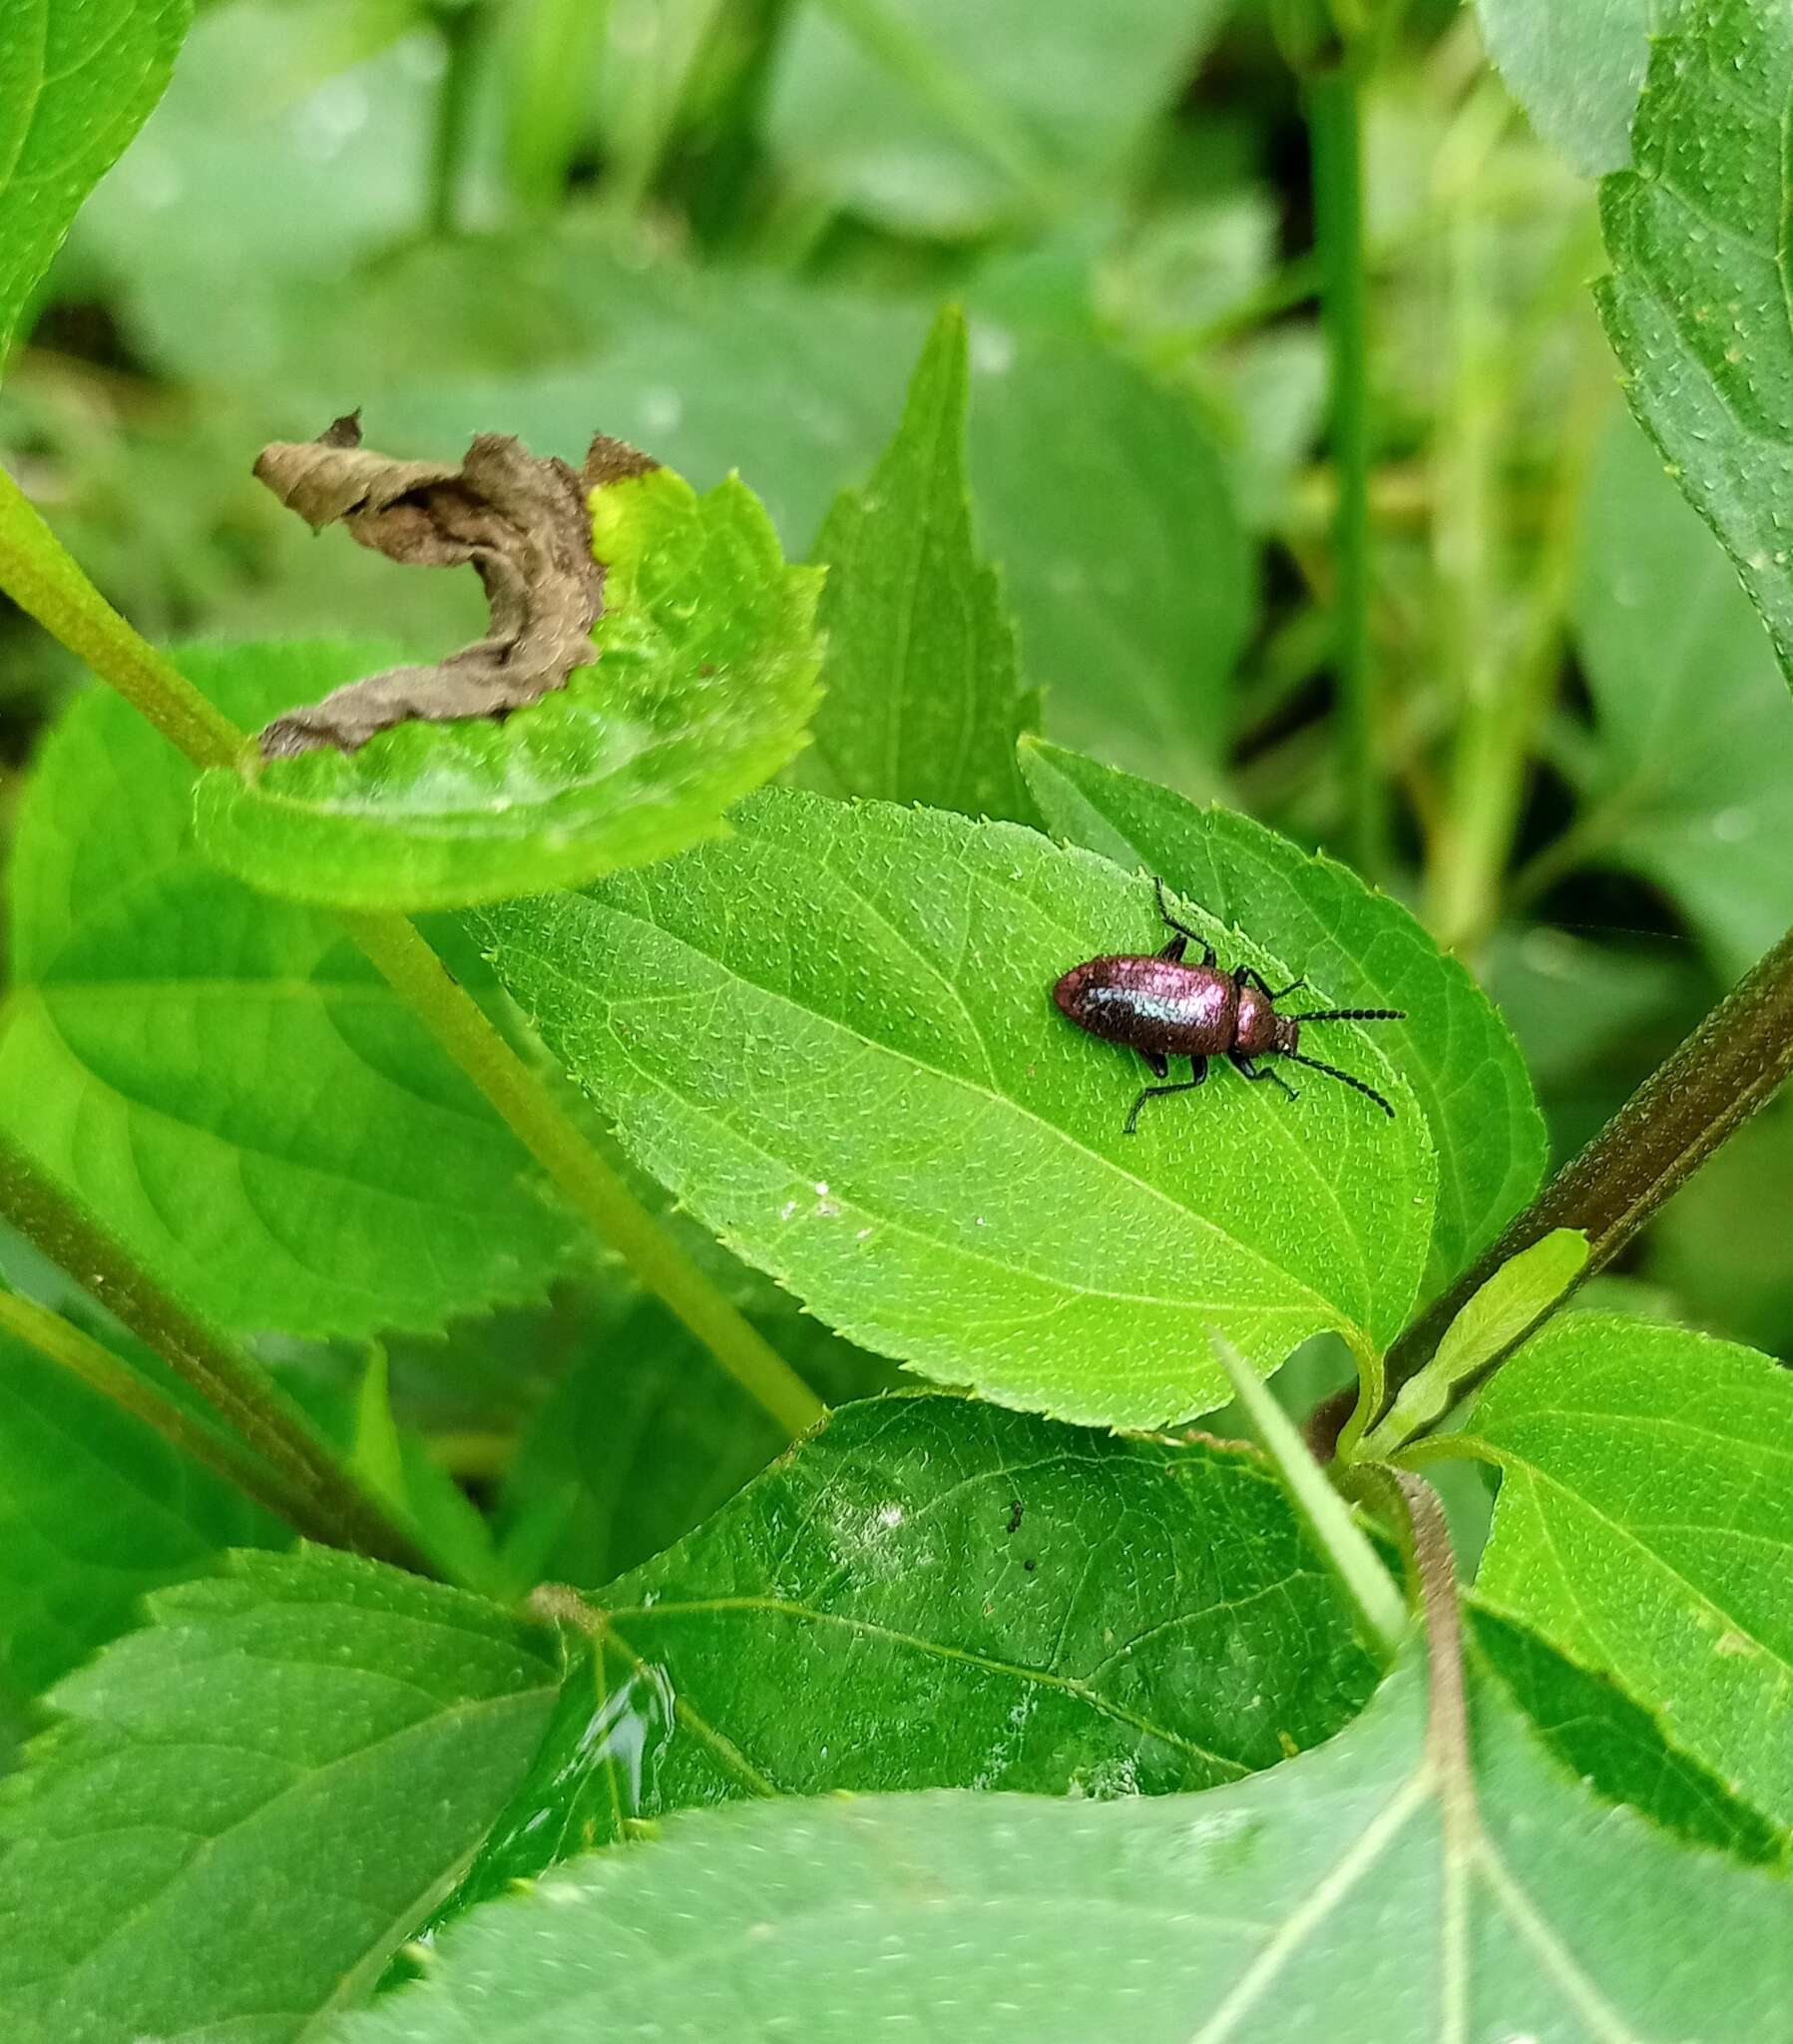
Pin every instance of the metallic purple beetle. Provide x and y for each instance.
(1165, 1009)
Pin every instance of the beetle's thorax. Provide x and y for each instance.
(1258, 1027)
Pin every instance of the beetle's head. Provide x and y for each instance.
(1287, 1038)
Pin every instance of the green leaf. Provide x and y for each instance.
(1366, 950)
(1690, 782)
(923, 703)
(1374, 1891)
(223, 1078)
(1518, 1293)
(1720, 1244)
(253, 1802)
(704, 679)
(95, 1510)
(932, 1593)
(1697, 305)
(1357, 1567)
(77, 79)
(1104, 494)
(833, 1036)
(941, 119)
(1644, 1526)
(1618, 1748)
(1111, 509)
(645, 1435)
(1576, 69)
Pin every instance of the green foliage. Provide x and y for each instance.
(1691, 780)
(823, 1024)
(703, 678)
(1380, 1886)
(77, 79)
(644, 1436)
(1508, 1305)
(942, 119)
(909, 1601)
(1697, 305)
(1605, 1738)
(223, 1078)
(1576, 70)
(1644, 1526)
(1362, 948)
(832, 1035)
(251, 1801)
(923, 701)
(95, 1511)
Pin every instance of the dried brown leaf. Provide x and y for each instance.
(522, 523)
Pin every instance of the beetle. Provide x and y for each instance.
(1165, 1008)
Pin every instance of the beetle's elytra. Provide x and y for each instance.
(1165, 1009)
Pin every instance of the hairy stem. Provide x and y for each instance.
(41, 577)
(32, 561)
(1730, 1066)
(336, 1508)
(1335, 128)
(59, 1341)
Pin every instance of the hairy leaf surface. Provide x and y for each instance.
(1697, 305)
(928, 1594)
(832, 1035)
(254, 1801)
(76, 80)
(1365, 949)
(703, 678)
(1645, 1525)
(223, 1077)
(923, 701)
(1376, 1891)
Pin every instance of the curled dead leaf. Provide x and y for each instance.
(520, 522)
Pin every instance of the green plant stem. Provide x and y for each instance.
(460, 1025)
(232, 1384)
(1730, 1067)
(558, 51)
(42, 578)
(1503, 674)
(1335, 128)
(463, 30)
(32, 558)
(59, 1341)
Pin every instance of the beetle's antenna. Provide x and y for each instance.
(1333, 1072)
(1353, 1015)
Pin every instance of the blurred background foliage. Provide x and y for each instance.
(719, 228)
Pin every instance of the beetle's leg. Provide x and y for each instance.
(1247, 1070)
(1248, 975)
(1185, 935)
(1197, 1072)
(1157, 1063)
